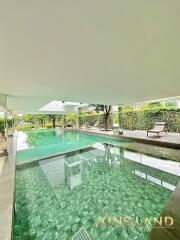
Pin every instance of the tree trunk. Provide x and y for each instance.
(106, 121)
(107, 110)
(41, 122)
(54, 122)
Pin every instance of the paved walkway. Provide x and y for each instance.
(7, 177)
(2, 160)
(169, 138)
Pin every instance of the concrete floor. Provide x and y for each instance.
(2, 160)
(169, 137)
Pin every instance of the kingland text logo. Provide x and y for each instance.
(134, 222)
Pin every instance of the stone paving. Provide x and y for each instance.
(2, 160)
(7, 191)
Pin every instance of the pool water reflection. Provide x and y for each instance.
(38, 144)
(58, 196)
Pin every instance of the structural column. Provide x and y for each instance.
(178, 103)
(13, 122)
(120, 107)
(77, 118)
(63, 120)
(5, 125)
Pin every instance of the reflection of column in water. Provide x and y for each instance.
(110, 158)
(63, 136)
(141, 157)
(121, 152)
(77, 137)
(107, 152)
(73, 172)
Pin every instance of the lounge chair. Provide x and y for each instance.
(89, 126)
(96, 125)
(159, 127)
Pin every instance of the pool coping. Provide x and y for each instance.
(7, 187)
(140, 140)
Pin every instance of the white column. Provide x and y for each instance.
(13, 123)
(178, 103)
(77, 118)
(6, 125)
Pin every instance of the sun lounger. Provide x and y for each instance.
(89, 126)
(158, 128)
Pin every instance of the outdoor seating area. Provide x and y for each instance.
(167, 138)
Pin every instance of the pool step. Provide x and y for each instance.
(81, 235)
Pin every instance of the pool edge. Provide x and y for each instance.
(140, 140)
(7, 189)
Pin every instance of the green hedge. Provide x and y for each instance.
(2, 124)
(92, 119)
(25, 128)
(36, 126)
(145, 119)
(50, 125)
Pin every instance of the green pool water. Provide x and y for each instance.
(37, 144)
(56, 197)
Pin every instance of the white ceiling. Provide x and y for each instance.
(103, 51)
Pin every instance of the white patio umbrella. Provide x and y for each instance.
(59, 107)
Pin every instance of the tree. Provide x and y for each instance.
(41, 119)
(154, 105)
(29, 118)
(35, 118)
(70, 119)
(106, 109)
(53, 118)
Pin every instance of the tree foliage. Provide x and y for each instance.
(106, 109)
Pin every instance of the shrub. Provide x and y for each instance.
(49, 125)
(2, 124)
(91, 118)
(70, 119)
(145, 119)
(24, 128)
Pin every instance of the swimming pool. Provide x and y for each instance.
(57, 197)
(37, 144)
